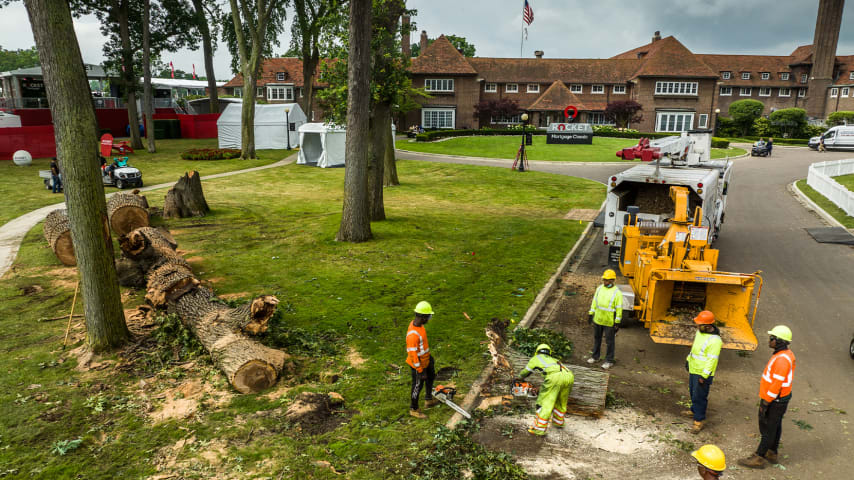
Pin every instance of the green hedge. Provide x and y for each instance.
(437, 134)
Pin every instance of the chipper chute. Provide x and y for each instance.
(673, 273)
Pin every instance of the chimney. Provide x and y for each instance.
(538, 53)
(405, 46)
(657, 36)
(827, 25)
(423, 41)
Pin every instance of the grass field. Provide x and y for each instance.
(603, 149)
(21, 189)
(846, 181)
(826, 204)
(454, 237)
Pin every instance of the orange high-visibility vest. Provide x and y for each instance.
(777, 378)
(417, 348)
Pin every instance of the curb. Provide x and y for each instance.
(530, 315)
(793, 187)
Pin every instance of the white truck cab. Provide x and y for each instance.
(840, 136)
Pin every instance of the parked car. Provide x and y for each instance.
(840, 136)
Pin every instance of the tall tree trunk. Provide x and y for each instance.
(355, 220)
(147, 101)
(390, 168)
(128, 74)
(68, 94)
(207, 48)
(309, 67)
(247, 112)
(380, 129)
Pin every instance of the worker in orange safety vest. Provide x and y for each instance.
(419, 360)
(775, 391)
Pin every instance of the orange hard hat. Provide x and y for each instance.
(704, 318)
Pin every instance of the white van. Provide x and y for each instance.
(840, 136)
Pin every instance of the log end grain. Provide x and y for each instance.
(128, 219)
(64, 249)
(254, 376)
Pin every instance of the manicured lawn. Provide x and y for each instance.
(21, 189)
(846, 181)
(603, 149)
(468, 239)
(826, 204)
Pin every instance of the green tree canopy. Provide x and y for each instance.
(460, 43)
(840, 118)
(15, 59)
(744, 112)
(788, 121)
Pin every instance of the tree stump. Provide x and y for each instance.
(57, 232)
(223, 330)
(186, 198)
(127, 212)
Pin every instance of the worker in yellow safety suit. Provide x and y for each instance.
(701, 364)
(605, 314)
(711, 462)
(554, 393)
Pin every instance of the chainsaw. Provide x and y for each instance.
(446, 395)
(521, 388)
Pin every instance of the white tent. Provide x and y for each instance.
(321, 145)
(270, 128)
(8, 120)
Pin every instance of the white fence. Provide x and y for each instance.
(820, 179)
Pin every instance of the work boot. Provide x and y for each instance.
(534, 431)
(698, 427)
(417, 414)
(753, 461)
(430, 402)
(592, 360)
(687, 413)
(771, 456)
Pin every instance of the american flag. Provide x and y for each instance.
(527, 13)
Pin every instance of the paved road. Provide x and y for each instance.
(809, 286)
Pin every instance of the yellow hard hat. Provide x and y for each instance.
(711, 457)
(609, 275)
(782, 332)
(424, 308)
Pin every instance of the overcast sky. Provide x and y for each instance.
(561, 28)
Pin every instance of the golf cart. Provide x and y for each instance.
(760, 149)
(48, 179)
(120, 174)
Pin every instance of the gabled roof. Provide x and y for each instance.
(801, 55)
(667, 58)
(846, 68)
(547, 70)
(440, 57)
(556, 97)
(755, 65)
(292, 68)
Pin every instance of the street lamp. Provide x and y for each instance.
(288, 127)
(717, 122)
(522, 155)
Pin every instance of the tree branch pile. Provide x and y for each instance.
(149, 254)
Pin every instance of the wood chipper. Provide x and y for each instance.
(673, 272)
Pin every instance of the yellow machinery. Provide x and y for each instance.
(673, 272)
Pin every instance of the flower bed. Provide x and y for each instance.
(210, 154)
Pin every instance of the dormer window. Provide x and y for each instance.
(280, 76)
(726, 75)
(851, 76)
(766, 76)
(804, 78)
(784, 76)
(745, 76)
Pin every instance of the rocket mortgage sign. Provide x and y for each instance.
(570, 133)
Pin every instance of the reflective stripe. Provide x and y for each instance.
(606, 309)
(707, 372)
(544, 363)
(412, 349)
(778, 377)
(417, 364)
(528, 369)
(712, 356)
(772, 395)
(766, 378)
(413, 332)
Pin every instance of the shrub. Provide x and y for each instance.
(720, 142)
(814, 130)
(789, 122)
(727, 127)
(762, 127)
(744, 113)
(840, 118)
(526, 340)
(210, 154)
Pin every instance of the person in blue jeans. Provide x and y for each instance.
(55, 175)
(770, 145)
(701, 365)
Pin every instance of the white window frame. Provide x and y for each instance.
(280, 92)
(784, 76)
(676, 88)
(238, 92)
(301, 92)
(533, 88)
(765, 75)
(670, 121)
(576, 88)
(445, 118)
(851, 76)
(259, 91)
(844, 92)
(439, 85)
(703, 120)
(515, 88)
(834, 92)
(767, 91)
(490, 87)
(726, 75)
(280, 76)
(728, 91)
(598, 118)
(506, 120)
(804, 78)
(802, 92)
(784, 92)
(600, 88)
(745, 75)
(621, 91)
(745, 91)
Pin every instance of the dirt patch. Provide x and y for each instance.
(317, 413)
(354, 358)
(582, 214)
(195, 259)
(30, 290)
(215, 280)
(184, 400)
(233, 296)
(446, 373)
(63, 277)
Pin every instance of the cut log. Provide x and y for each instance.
(223, 330)
(186, 198)
(127, 212)
(57, 232)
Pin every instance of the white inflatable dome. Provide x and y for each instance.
(22, 158)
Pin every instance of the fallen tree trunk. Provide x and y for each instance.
(186, 198)
(223, 330)
(127, 212)
(57, 232)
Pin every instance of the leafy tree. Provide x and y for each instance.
(460, 43)
(789, 122)
(315, 20)
(503, 107)
(840, 118)
(762, 127)
(252, 32)
(624, 112)
(206, 12)
(744, 112)
(21, 58)
(74, 122)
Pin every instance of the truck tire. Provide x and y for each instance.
(47, 184)
(851, 349)
(120, 184)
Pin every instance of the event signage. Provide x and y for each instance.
(569, 133)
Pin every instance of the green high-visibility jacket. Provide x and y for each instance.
(703, 359)
(542, 363)
(607, 306)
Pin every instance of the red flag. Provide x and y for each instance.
(173, 69)
(194, 71)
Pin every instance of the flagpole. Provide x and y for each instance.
(522, 42)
